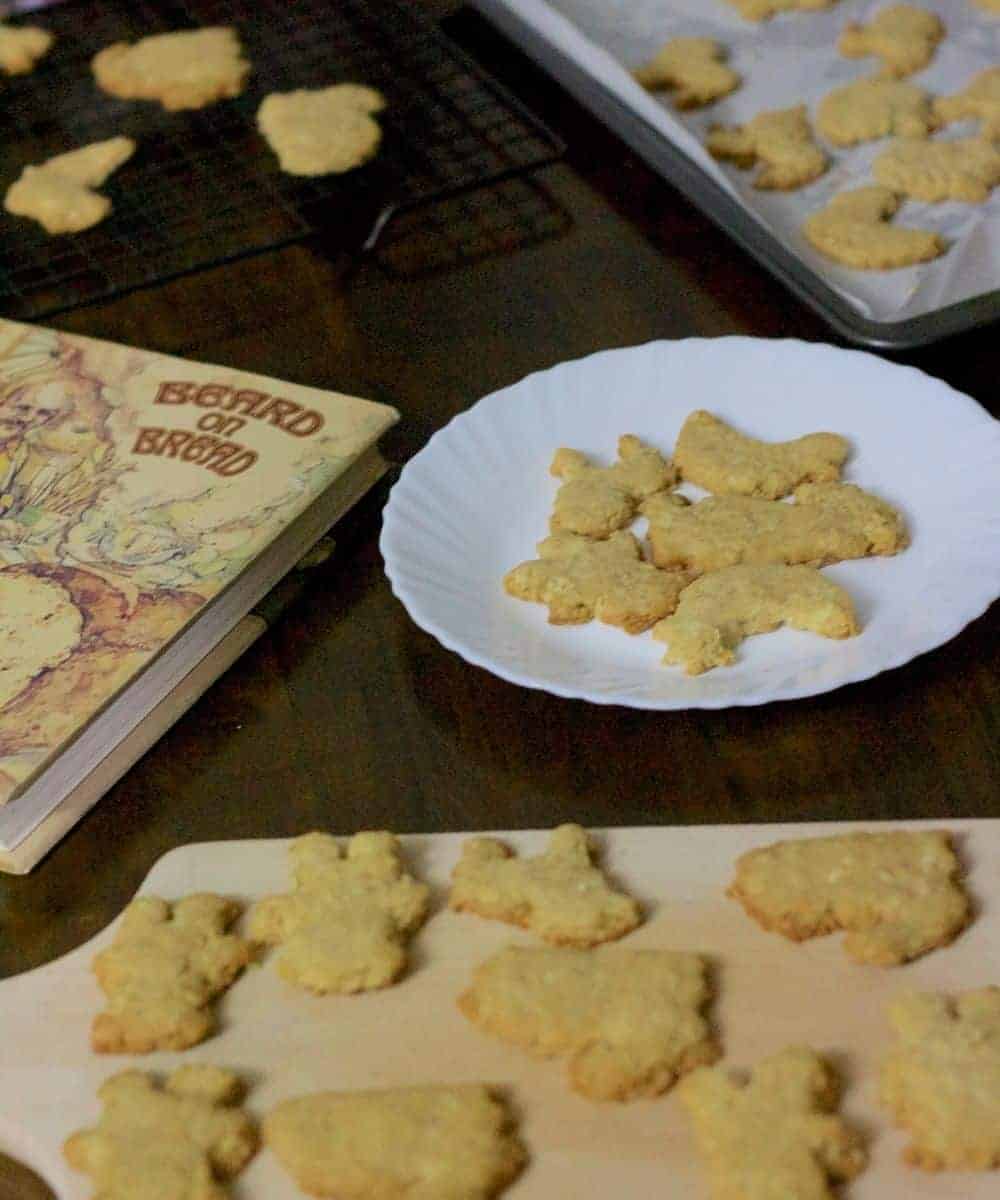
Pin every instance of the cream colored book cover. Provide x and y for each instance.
(134, 487)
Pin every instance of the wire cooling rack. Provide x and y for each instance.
(203, 186)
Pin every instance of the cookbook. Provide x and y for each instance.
(146, 504)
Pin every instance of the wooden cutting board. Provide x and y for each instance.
(771, 993)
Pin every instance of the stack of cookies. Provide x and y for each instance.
(737, 563)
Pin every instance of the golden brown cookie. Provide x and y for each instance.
(828, 523)
(896, 894)
(428, 1143)
(60, 193)
(187, 69)
(630, 1020)
(777, 1135)
(854, 230)
(559, 894)
(162, 971)
(780, 141)
(580, 579)
(715, 456)
(941, 1081)
(903, 36)
(596, 501)
(719, 610)
(964, 169)
(183, 1139)
(693, 68)
(875, 108)
(21, 46)
(989, 6)
(345, 926)
(763, 10)
(981, 100)
(322, 131)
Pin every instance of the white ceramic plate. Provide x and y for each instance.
(477, 498)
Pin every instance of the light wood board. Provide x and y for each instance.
(771, 993)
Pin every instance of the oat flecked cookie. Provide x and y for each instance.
(559, 894)
(981, 99)
(322, 131)
(422, 1143)
(964, 169)
(580, 579)
(896, 894)
(780, 141)
(777, 1135)
(183, 1139)
(721, 609)
(186, 69)
(344, 928)
(854, 230)
(762, 10)
(875, 108)
(829, 522)
(21, 46)
(903, 36)
(166, 965)
(717, 457)
(60, 193)
(596, 501)
(941, 1081)
(692, 68)
(630, 1020)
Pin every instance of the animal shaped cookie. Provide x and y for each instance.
(719, 610)
(875, 108)
(941, 1080)
(60, 193)
(630, 1020)
(187, 69)
(580, 579)
(322, 131)
(21, 46)
(183, 1139)
(596, 501)
(963, 169)
(693, 68)
(780, 141)
(777, 1134)
(162, 971)
(896, 894)
(902, 36)
(344, 928)
(762, 10)
(559, 894)
(830, 522)
(981, 99)
(428, 1143)
(717, 457)
(854, 230)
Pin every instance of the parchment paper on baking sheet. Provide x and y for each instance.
(788, 60)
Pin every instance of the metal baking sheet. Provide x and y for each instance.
(728, 213)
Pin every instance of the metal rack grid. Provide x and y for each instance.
(203, 187)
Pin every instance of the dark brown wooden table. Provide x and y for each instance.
(347, 716)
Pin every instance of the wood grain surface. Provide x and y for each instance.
(768, 993)
(346, 716)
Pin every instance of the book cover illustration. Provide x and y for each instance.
(133, 488)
